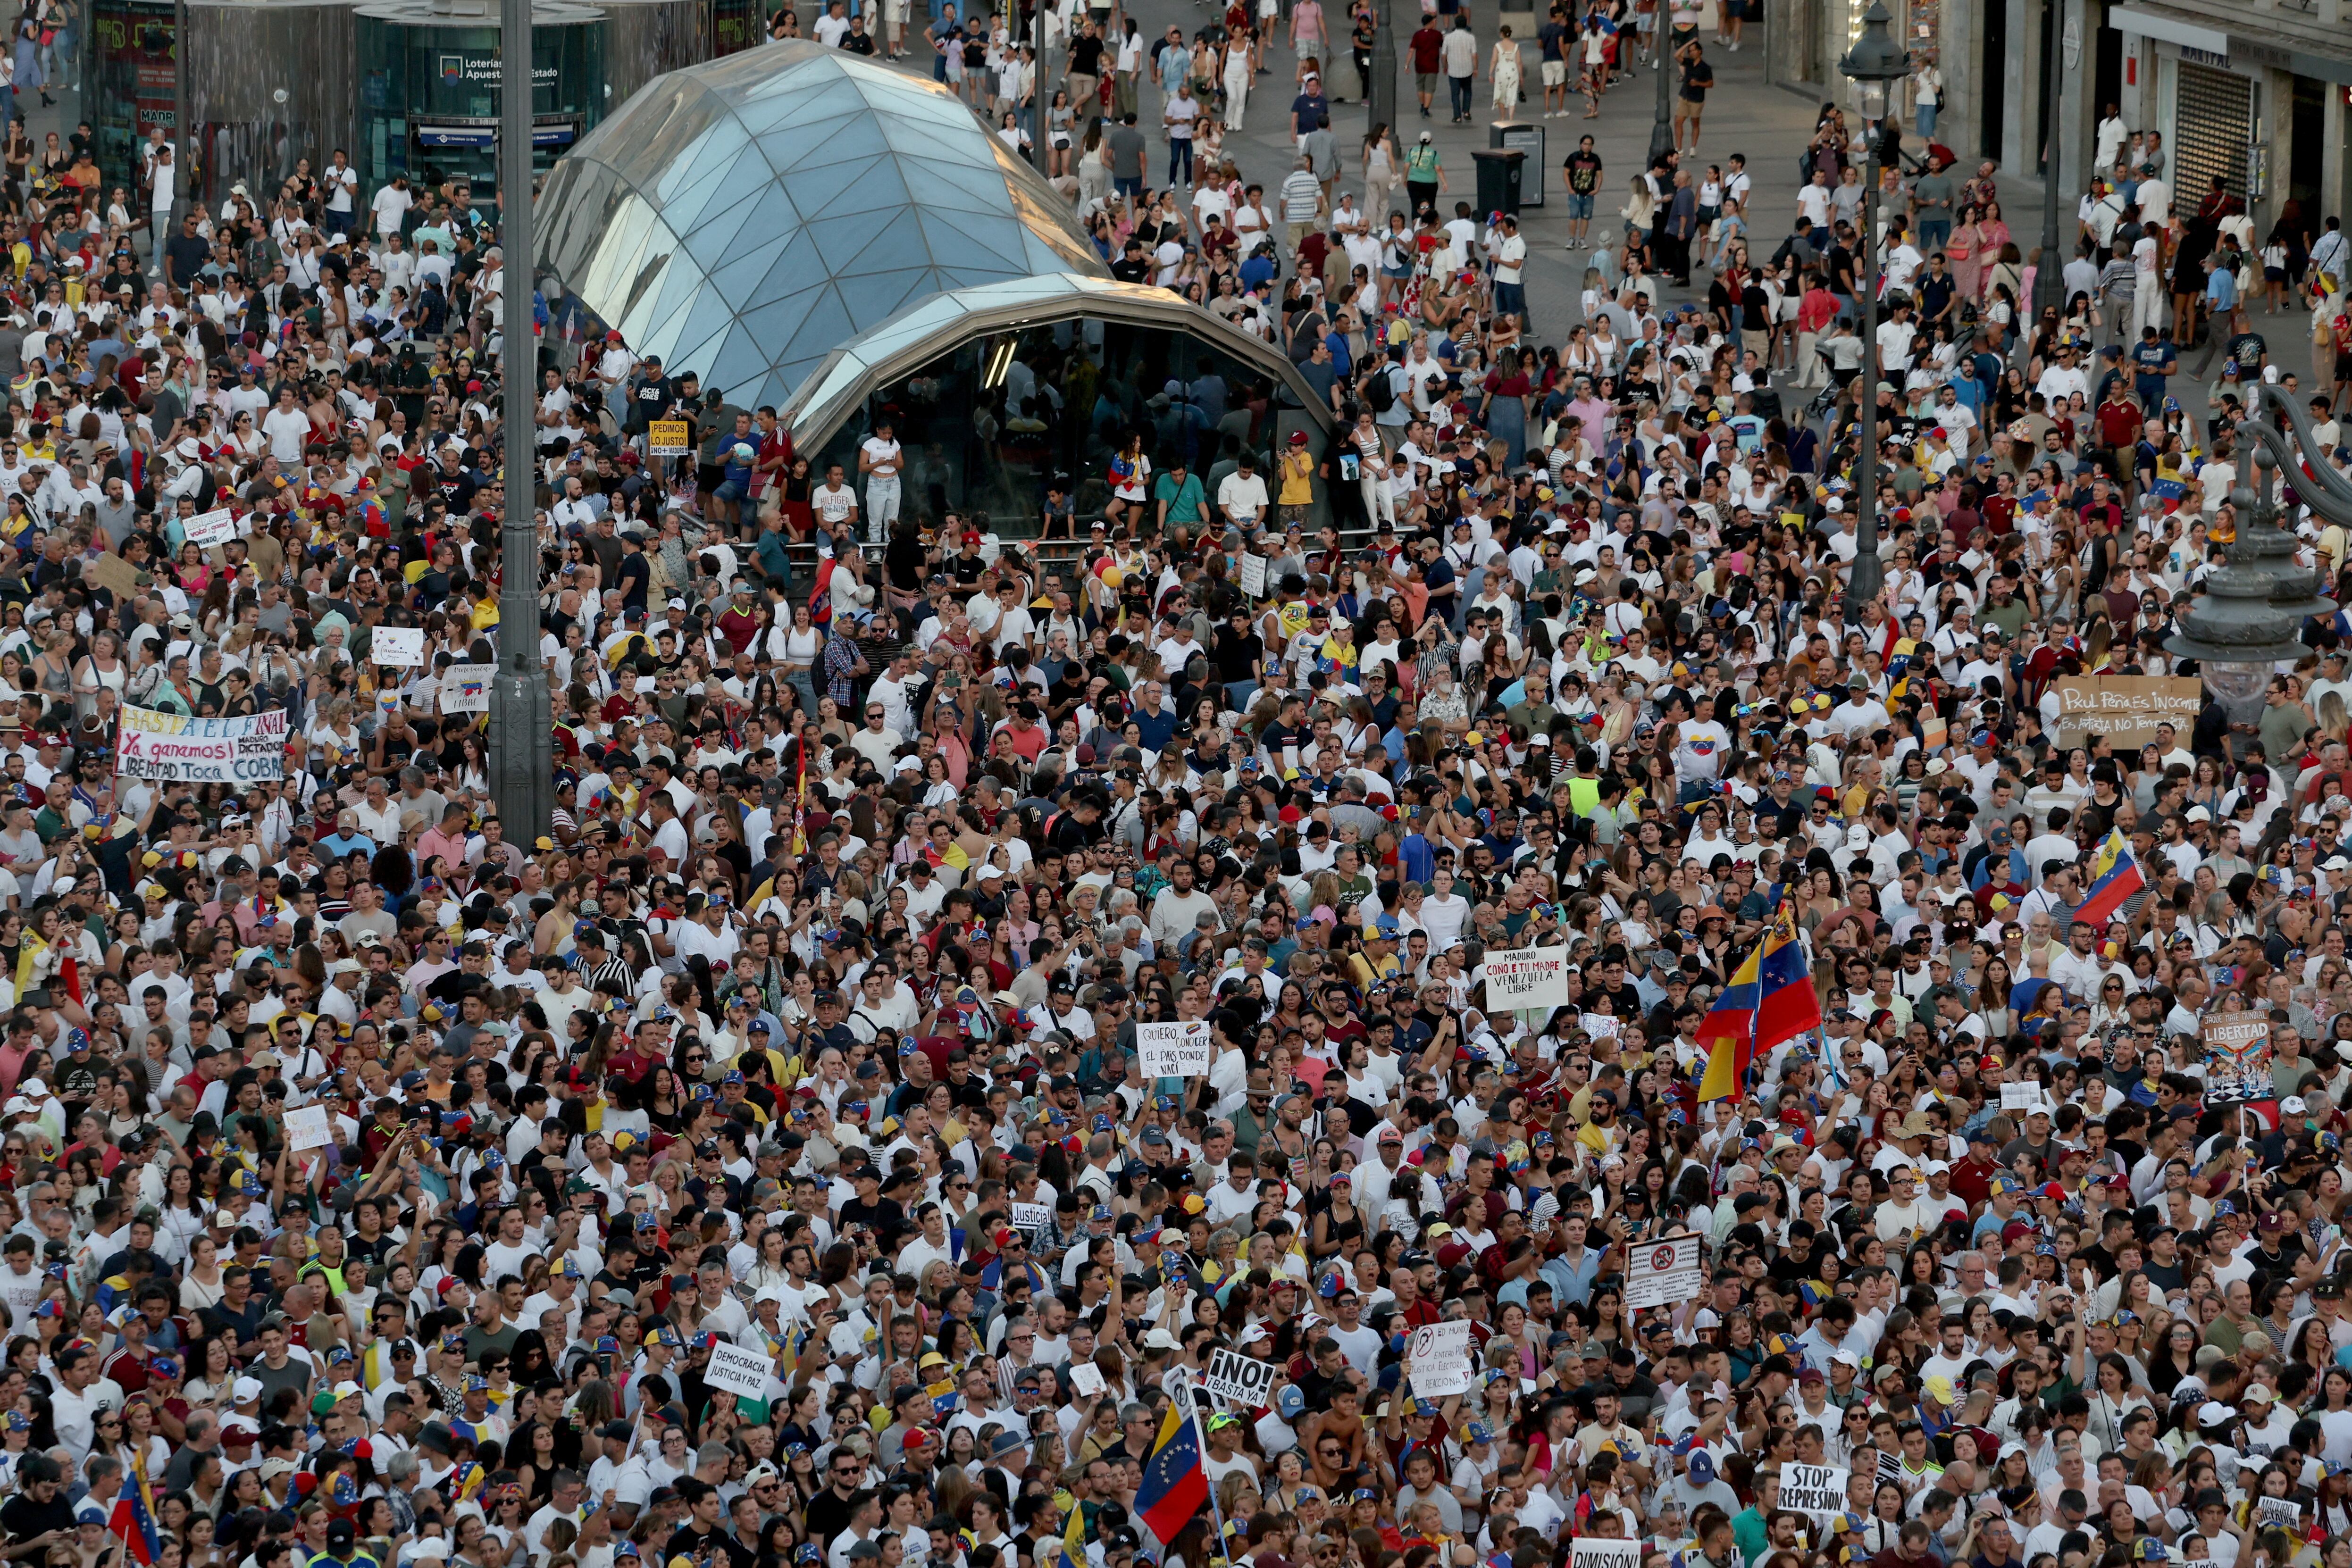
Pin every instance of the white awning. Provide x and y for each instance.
(2172, 29)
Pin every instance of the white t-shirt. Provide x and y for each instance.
(391, 207)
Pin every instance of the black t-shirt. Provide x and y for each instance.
(1583, 171)
(1236, 654)
(1697, 77)
(1086, 57)
(690, 1544)
(24, 1519)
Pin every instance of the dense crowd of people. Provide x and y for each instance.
(391, 1184)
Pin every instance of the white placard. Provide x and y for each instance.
(1812, 1488)
(306, 1127)
(466, 688)
(1659, 1273)
(1175, 1050)
(2023, 1096)
(1600, 1026)
(396, 647)
(1441, 1360)
(155, 744)
(1086, 1378)
(2278, 1513)
(1533, 978)
(1031, 1218)
(734, 1370)
(1591, 1552)
(1890, 1466)
(1254, 576)
(1240, 1380)
(206, 529)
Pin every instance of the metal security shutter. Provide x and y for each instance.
(2213, 126)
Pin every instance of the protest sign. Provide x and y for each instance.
(1239, 1379)
(1663, 1271)
(112, 573)
(306, 1127)
(2126, 709)
(206, 529)
(1031, 1218)
(153, 744)
(1441, 1360)
(1086, 1378)
(1890, 1466)
(1600, 1026)
(1532, 977)
(1175, 1050)
(734, 1370)
(1812, 1488)
(398, 646)
(1593, 1551)
(2278, 1513)
(1254, 576)
(2238, 1059)
(466, 688)
(2023, 1096)
(669, 438)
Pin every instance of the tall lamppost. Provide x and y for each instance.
(522, 737)
(2049, 277)
(1875, 63)
(1381, 105)
(2247, 619)
(1662, 128)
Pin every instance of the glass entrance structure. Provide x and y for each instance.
(744, 218)
(995, 389)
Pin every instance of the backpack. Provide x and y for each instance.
(1380, 392)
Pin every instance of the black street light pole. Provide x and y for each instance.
(1380, 105)
(522, 732)
(1874, 63)
(1662, 128)
(2049, 276)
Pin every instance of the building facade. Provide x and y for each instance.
(2255, 92)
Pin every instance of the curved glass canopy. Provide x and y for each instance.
(744, 218)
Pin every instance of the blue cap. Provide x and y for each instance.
(411, 1079)
(1291, 1403)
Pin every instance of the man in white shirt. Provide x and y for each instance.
(391, 206)
(1242, 494)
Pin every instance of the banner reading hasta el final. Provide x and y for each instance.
(155, 744)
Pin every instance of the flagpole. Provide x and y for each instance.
(1200, 1436)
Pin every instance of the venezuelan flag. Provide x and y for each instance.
(1770, 1000)
(2114, 877)
(1175, 1480)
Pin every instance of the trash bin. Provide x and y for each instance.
(1500, 172)
(1529, 139)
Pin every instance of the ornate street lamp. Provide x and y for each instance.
(1875, 63)
(2248, 618)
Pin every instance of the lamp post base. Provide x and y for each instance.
(522, 756)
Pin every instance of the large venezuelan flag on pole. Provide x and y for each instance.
(1770, 1000)
(1175, 1480)
(2114, 877)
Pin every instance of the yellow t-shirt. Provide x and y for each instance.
(1298, 478)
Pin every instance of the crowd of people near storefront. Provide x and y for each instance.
(793, 1152)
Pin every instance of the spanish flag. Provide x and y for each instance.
(1770, 1000)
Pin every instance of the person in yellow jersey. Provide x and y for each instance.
(1298, 478)
(1378, 960)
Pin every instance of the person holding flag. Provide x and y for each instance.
(1770, 1000)
(1175, 1478)
(2116, 879)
